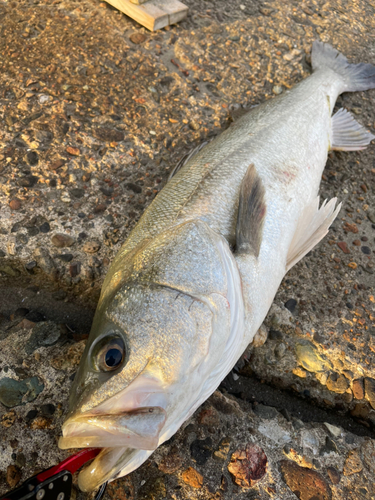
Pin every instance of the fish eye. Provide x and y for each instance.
(109, 354)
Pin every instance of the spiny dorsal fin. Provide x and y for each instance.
(186, 158)
(312, 226)
(251, 213)
(348, 134)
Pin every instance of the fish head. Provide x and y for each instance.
(128, 390)
(156, 337)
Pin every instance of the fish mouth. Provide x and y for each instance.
(125, 438)
(139, 428)
(127, 426)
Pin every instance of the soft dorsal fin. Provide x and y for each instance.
(312, 226)
(348, 134)
(251, 213)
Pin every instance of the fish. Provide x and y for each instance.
(192, 284)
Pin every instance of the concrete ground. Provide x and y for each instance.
(94, 113)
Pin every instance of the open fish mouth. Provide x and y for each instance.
(123, 438)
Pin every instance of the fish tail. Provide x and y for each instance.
(355, 76)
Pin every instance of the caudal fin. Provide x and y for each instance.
(355, 76)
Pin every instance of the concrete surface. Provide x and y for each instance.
(94, 113)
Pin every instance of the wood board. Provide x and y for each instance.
(153, 14)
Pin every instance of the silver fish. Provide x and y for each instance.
(192, 284)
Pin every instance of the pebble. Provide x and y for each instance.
(329, 447)
(62, 240)
(65, 197)
(13, 476)
(8, 419)
(44, 260)
(275, 335)
(209, 417)
(366, 250)
(134, 187)
(280, 350)
(73, 151)
(201, 450)
(335, 431)
(192, 477)
(291, 305)
(100, 208)
(65, 257)
(15, 204)
(248, 465)
(343, 246)
(108, 134)
(119, 490)
(137, 38)
(69, 358)
(337, 383)
(77, 193)
(91, 246)
(43, 98)
(41, 423)
(309, 357)
(32, 158)
(44, 334)
(14, 392)
(308, 483)
(267, 412)
(370, 391)
(272, 430)
(57, 164)
(31, 414)
(75, 269)
(171, 462)
(260, 336)
(353, 463)
(357, 388)
(334, 475)
(277, 89)
(310, 440)
(368, 454)
(223, 449)
(45, 228)
(48, 409)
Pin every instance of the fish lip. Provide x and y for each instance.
(138, 428)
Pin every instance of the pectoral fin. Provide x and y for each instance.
(251, 213)
(348, 134)
(312, 226)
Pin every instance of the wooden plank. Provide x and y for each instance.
(176, 10)
(139, 2)
(153, 14)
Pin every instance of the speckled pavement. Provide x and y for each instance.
(94, 113)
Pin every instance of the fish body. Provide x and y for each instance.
(191, 286)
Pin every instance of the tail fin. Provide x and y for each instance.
(355, 76)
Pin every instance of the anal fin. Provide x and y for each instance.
(312, 226)
(348, 134)
(251, 213)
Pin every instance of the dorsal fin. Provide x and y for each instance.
(251, 213)
(186, 158)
